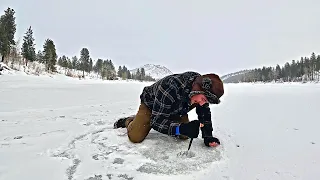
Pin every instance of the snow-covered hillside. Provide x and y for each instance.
(62, 128)
(233, 77)
(155, 71)
(38, 69)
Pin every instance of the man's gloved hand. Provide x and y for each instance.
(211, 141)
(190, 129)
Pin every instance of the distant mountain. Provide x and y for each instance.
(235, 77)
(155, 71)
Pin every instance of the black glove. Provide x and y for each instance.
(208, 140)
(207, 135)
(190, 129)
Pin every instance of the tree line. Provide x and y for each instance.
(9, 50)
(305, 69)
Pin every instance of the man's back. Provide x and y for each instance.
(168, 90)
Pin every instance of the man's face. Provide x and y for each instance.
(199, 99)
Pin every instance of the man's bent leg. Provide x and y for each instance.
(139, 126)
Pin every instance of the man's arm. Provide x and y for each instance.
(165, 97)
(204, 116)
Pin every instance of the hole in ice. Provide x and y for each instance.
(187, 154)
(168, 155)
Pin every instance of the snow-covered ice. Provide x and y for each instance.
(62, 128)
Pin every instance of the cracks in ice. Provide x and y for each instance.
(72, 169)
(166, 161)
(157, 155)
(68, 153)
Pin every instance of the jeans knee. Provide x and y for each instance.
(136, 139)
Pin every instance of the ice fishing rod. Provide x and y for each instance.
(190, 144)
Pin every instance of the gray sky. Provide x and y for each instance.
(204, 36)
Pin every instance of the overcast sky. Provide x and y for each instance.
(204, 36)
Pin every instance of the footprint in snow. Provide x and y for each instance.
(96, 177)
(109, 176)
(100, 157)
(118, 161)
(125, 176)
(72, 169)
(18, 137)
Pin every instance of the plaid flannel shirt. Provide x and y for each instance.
(169, 97)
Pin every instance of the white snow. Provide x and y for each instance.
(62, 128)
(4, 69)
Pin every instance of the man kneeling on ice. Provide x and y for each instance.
(166, 103)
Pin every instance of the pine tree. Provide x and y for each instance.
(318, 66)
(312, 64)
(306, 68)
(294, 70)
(113, 69)
(28, 49)
(318, 63)
(64, 63)
(138, 75)
(84, 59)
(70, 65)
(129, 76)
(269, 74)
(98, 66)
(119, 71)
(2, 40)
(60, 63)
(90, 65)
(50, 55)
(7, 31)
(125, 75)
(278, 72)
(143, 74)
(110, 70)
(75, 63)
(300, 68)
(39, 57)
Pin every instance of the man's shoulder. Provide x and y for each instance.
(174, 80)
(181, 77)
(186, 73)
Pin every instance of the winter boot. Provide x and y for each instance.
(122, 122)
